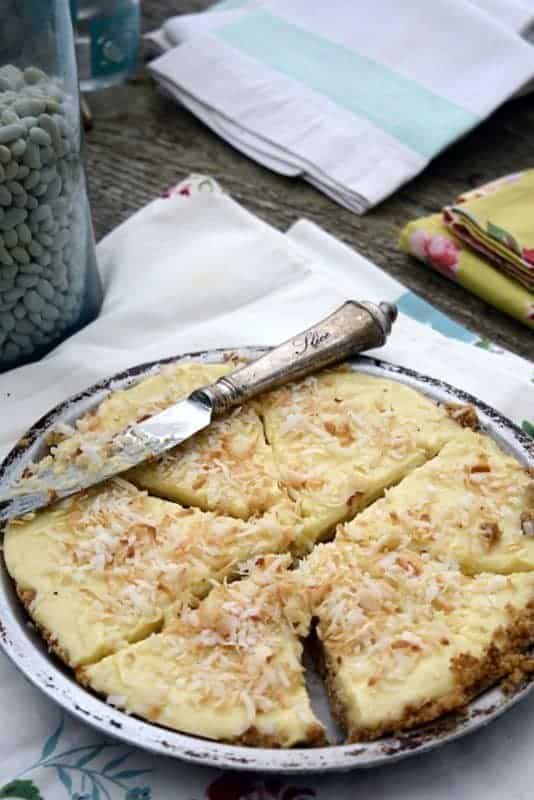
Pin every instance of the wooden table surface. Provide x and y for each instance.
(142, 143)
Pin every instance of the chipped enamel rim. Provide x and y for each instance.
(28, 651)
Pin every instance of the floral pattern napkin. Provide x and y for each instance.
(485, 242)
(497, 220)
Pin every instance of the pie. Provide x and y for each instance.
(343, 509)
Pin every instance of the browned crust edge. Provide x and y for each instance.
(463, 414)
(505, 656)
(315, 735)
(26, 597)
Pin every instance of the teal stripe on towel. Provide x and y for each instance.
(415, 307)
(400, 106)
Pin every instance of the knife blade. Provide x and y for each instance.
(148, 439)
(354, 327)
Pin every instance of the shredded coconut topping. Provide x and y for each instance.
(238, 647)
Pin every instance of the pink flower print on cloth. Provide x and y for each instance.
(194, 184)
(438, 251)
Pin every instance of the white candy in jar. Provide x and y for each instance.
(42, 227)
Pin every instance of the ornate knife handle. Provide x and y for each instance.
(353, 328)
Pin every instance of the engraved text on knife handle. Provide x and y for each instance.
(353, 328)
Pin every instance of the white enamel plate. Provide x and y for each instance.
(26, 648)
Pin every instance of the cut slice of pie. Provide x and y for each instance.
(228, 468)
(101, 569)
(341, 437)
(471, 503)
(407, 638)
(229, 670)
(85, 444)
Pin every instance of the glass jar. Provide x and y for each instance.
(107, 41)
(49, 284)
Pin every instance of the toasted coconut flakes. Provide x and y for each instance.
(412, 640)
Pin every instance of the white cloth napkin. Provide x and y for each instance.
(356, 98)
(191, 271)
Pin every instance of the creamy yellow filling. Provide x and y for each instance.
(471, 503)
(227, 468)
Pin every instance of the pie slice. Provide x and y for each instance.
(227, 468)
(406, 638)
(229, 670)
(102, 569)
(341, 437)
(472, 503)
(85, 444)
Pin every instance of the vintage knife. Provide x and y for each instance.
(354, 327)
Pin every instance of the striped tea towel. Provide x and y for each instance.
(356, 98)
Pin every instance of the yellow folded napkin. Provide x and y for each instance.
(432, 241)
(498, 221)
